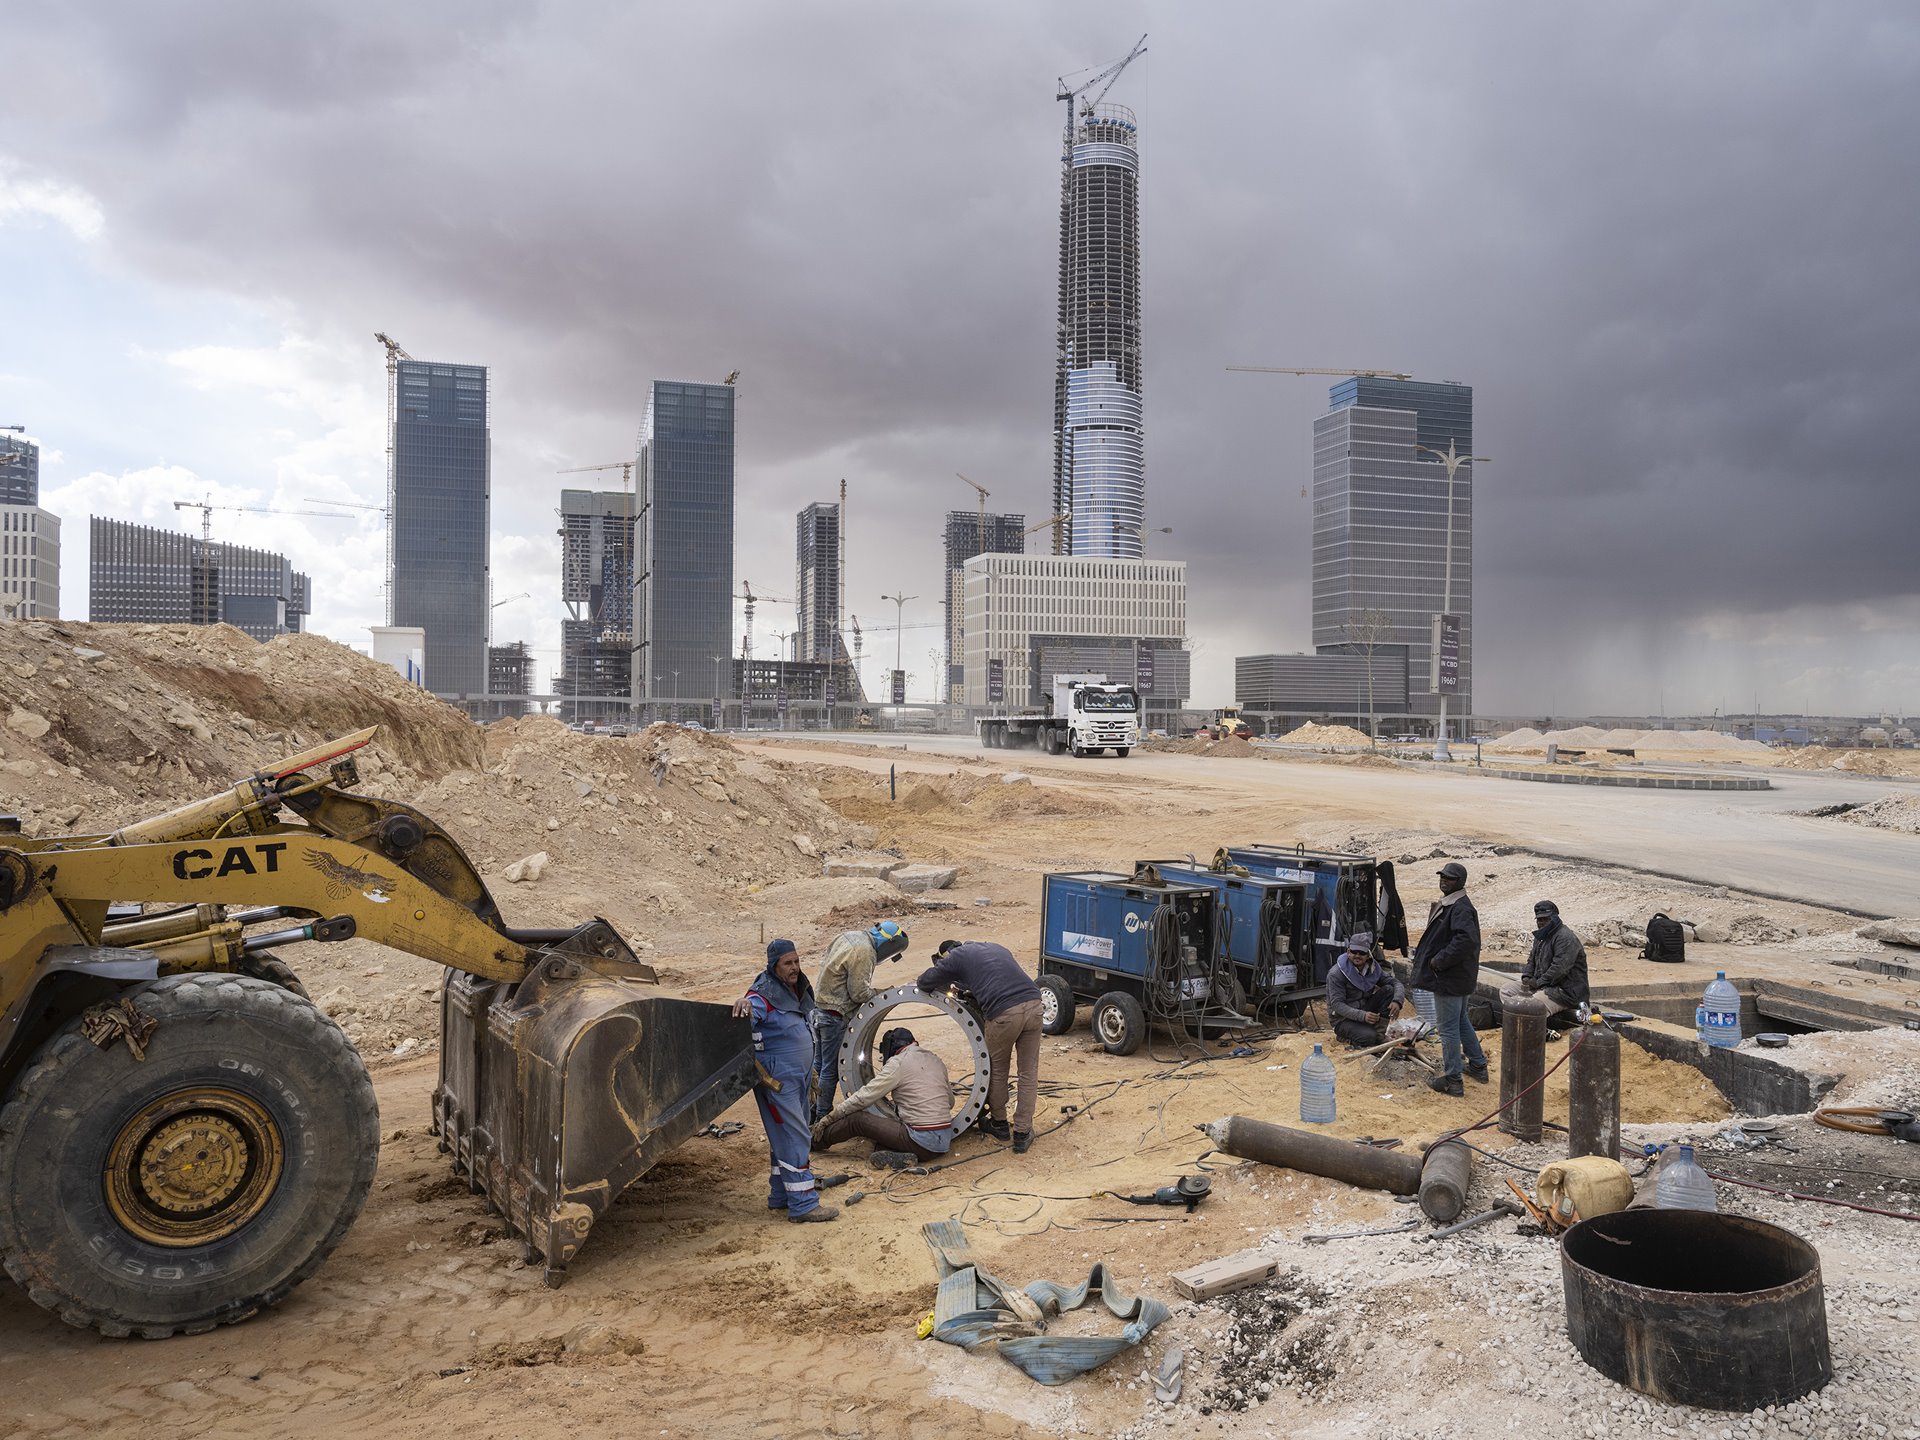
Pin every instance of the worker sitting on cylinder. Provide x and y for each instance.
(906, 1110)
(1363, 994)
(1555, 980)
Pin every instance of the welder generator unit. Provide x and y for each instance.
(1342, 893)
(1264, 923)
(1142, 950)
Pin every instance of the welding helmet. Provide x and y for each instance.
(888, 940)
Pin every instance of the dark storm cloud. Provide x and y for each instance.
(1673, 248)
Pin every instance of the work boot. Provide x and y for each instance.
(1022, 1139)
(998, 1129)
(1477, 1073)
(1447, 1085)
(819, 1215)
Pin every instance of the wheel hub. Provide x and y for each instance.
(1112, 1025)
(194, 1166)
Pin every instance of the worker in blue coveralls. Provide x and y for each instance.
(778, 1002)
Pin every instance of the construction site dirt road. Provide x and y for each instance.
(1761, 842)
(692, 1314)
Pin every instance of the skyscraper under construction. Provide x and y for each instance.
(1099, 447)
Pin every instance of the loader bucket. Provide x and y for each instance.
(557, 1093)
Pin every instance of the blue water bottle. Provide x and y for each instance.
(1316, 1089)
(1718, 1017)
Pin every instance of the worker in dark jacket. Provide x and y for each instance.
(1447, 962)
(1363, 995)
(1009, 1003)
(1556, 975)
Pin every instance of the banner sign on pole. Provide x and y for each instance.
(996, 682)
(1143, 667)
(780, 702)
(1444, 672)
(716, 716)
(899, 687)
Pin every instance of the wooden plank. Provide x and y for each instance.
(1220, 1277)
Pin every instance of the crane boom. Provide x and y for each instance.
(1317, 370)
(1110, 74)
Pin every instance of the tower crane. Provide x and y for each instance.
(747, 594)
(203, 567)
(1110, 74)
(523, 595)
(1060, 519)
(394, 356)
(984, 492)
(1293, 370)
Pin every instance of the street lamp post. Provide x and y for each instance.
(899, 629)
(1453, 460)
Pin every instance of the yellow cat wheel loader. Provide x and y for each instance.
(184, 1136)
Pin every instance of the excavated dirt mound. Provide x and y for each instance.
(1233, 747)
(1857, 762)
(1889, 812)
(1312, 734)
(103, 723)
(960, 797)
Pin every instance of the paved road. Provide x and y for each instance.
(1749, 840)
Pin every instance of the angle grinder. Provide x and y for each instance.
(1188, 1190)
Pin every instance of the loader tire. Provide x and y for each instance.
(267, 966)
(196, 1186)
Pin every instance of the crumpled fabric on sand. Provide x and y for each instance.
(976, 1309)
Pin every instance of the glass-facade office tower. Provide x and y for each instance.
(139, 575)
(683, 595)
(1380, 535)
(19, 471)
(816, 544)
(1099, 445)
(442, 473)
(967, 536)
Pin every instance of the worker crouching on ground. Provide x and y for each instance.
(846, 983)
(1447, 962)
(1556, 975)
(1009, 1003)
(906, 1109)
(778, 1002)
(1363, 994)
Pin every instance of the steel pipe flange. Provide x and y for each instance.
(863, 1030)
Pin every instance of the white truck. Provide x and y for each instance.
(1084, 716)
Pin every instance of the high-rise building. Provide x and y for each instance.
(1381, 525)
(509, 673)
(596, 586)
(442, 474)
(19, 471)
(29, 562)
(683, 595)
(1099, 445)
(1032, 617)
(817, 576)
(140, 575)
(968, 535)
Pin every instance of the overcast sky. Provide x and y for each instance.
(1674, 249)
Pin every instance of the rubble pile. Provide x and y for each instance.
(100, 724)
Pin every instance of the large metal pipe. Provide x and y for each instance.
(1523, 1060)
(1444, 1178)
(1593, 1107)
(1365, 1165)
(1695, 1308)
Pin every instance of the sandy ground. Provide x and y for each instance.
(691, 1313)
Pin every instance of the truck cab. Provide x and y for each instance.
(1098, 716)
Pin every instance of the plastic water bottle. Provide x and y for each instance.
(1683, 1185)
(1427, 1008)
(1718, 1017)
(1316, 1089)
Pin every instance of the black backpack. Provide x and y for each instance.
(1666, 941)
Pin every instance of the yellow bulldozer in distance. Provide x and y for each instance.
(184, 1136)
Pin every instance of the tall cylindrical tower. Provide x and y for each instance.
(1099, 441)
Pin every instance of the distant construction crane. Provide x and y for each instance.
(203, 569)
(1312, 370)
(984, 492)
(394, 356)
(1110, 74)
(747, 594)
(1060, 519)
